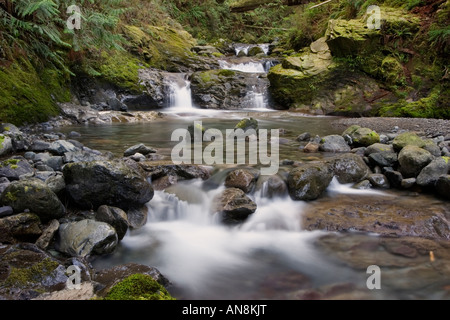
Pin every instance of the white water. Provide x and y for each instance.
(256, 100)
(248, 67)
(180, 96)
(246, 47)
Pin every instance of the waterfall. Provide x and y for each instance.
(246, 47)
(179, 96)
(247, 67)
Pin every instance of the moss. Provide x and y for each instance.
(11, 197)
(138, 287)
(392, 71)
(2, 139)
(24, 96)
(22, 277)
(226, 73)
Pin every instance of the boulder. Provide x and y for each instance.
(362, 137)
(60, 147)
(137, 217)
(15, 167)
(379, 180)
(86, 237)
(92, 184)
(5, 145)
(378, 148)
(23, 227)
(407, 139)
(334, 143)
(115, 217)
(431, 173)
(233, 205)
(33, 195)
(242, 179)
(349, 168)
(6, 211)
(412, 160)
(138, 148)
(383, 159)
(309, 181)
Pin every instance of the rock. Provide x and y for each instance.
(362, 137)
(431, 173)
(137, 217)
(242, 179)
(311, 147)
(305, 136)
(83, 156)
(412, 160)
(379, 148)
(408, 183)
(9, 127)
(5, 145)
(349, 168)
(157, 170)
(28, 271)
(139, 148)
(407, 139)
(39, 146)
(246, 124)
(233, 205)
(309, 181)
(56, 163)
(334, 143)
(6, 211)
(395, 178)
(74, 134)
(383, 159)
(86, 237)
(432, 148)
(253, 51)
(115, 217)
(138, 157)
(92, 184)
(60, 147)
(443, 186)
(24, 227)
(47, 234)
(271, 186)
(15, 167)
(379, 180)
(56, 183)
(363, 185)
(35, 196)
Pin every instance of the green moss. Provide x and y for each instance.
(138, 287)
(2, 139)
(24, 96)
(22, 277)
(226, 73)
(11, 197)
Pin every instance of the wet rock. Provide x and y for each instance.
(305, 136)
(242, 179)
(443, 186)
(334, 143)
(246, 124)
(27, 271)
(23, 227)
(412, 160)
(271, 186)
(363, 185)
(431, 173)
(86, 237)
(137, 217)
(35, 196)
(157, 170)
(379, 181)
(115, 217)
(349, 168)
(15, 167)
(114, 183)
(311, 147)
(309, 181)
(139, 148)
(395, 177)
(408, 183)
(233, 205)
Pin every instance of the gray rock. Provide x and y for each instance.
(432, 148)
(349, 168)
(305, 136)
(116, 217)
(5, 145)
(15, 167)
(138, 157)
(443, 186)
(363, 185)
(86, 237)
(412, 160)
(9, 127)
(139, 148)
(431, 173)
(35, 196)
(379, 181)
(334, 143)
(383, 159)
(82, 156)
(42, 157)
(395, 178)
(309, 181)
(29, 155)
(47, 234)
(271, 186)
(233, 205)
(56, 183)
(74, 134)
(92, 184)
(137, 217)
(408, 183)
(55, 163)
(39, 146)
(6, 211)
(379, 148)
(60, 147)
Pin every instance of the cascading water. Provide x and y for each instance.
(248, 67)
(246, 47)
(180, 97)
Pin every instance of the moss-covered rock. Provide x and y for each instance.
(362, 137)
(408, 139)
(138, 287)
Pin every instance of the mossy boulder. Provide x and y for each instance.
(246, 124)
(92, 184)
(412, 160)
(362, 137)
(408, 139)
(432, 172)
(349, 168)
(138, 287)
(33, 195)
(5, 145)
(22, 227)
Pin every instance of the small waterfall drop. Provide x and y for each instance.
(247, 67)
(179, 95)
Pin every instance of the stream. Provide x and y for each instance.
(271, 255)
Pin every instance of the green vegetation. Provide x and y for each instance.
(138, 287)
(23, 277)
